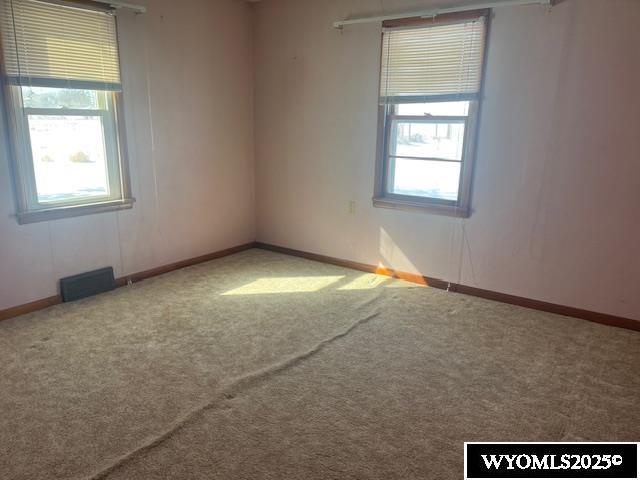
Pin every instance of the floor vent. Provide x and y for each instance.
(87, 284)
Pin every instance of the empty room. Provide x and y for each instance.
(319, 239)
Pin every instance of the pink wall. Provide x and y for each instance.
(555, 211)
(555, 208)
(187, 72)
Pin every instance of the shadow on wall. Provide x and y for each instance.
(395, 262)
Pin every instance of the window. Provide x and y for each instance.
(62, 91)
(430, 82)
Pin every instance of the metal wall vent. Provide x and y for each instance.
(87, 284)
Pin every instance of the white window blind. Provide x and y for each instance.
(433, 61)
(54, 45)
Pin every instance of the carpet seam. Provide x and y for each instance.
(240, 383)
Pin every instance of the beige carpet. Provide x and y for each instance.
(264, 366)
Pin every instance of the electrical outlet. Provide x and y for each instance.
(352, 207)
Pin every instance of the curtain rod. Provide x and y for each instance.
(119, 4)
(440, 11)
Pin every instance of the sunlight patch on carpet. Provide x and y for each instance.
(285, 285)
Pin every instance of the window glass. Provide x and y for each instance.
(453, 109)
(43, 97)
(427, 140)
(426, 178)
(69, 157)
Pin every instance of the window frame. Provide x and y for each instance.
(22, 168)
(29, 209)
(383, 197)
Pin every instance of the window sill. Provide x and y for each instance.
(421, 207)
(56, 213)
